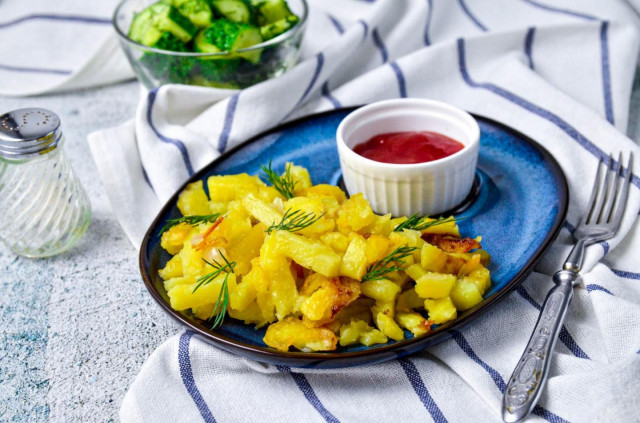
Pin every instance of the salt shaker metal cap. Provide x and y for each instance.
(25, 132)
(43, 208)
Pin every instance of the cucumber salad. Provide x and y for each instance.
(211, 26)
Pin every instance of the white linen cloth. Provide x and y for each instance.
(50, 46)
(559, 72)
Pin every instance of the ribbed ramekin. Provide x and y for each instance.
(403, 189)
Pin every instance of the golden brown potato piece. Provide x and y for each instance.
(326, 297)
(293, 332)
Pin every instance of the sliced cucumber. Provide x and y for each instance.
(202, 44)
(167, 18)
(148, 26)
(239, 11)
(232, 36)
(270, 11)
(169, 68)
(142, 29)
(278, 27)
(197, 11)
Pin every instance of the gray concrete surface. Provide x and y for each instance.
(75, 329)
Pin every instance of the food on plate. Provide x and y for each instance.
(316, 268)
(207, 26)
(408, 147)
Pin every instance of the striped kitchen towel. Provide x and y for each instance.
(56, 46)
(560, 72)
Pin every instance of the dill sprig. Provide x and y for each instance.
(220, 307)
(284, 184)
(294, 221)
(193, 220)
(390, 263)
(219, 268)
(418, 223)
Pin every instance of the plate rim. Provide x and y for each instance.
(299, 358)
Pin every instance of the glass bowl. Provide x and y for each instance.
(155, 67)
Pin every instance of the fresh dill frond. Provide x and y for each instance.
(193, 220)
(218, 267)
(284, 184)
(220, 307)
(419, 223)
(392, 262)
(294, 221)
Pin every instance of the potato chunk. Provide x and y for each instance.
(441, 310)
(354, 214)
(308, 253)
(293, 332)
(435, 285)
(326, 297)
(193, 200)
(354, 261)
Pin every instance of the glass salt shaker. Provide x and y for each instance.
(43, 208)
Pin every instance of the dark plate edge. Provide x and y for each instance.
(302, 359)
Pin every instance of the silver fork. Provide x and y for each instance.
(606, 207)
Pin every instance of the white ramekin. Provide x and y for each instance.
(403, 189)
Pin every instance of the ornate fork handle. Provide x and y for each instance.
(530, 375)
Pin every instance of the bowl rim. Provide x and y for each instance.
(398, 104)
(299, 26)
(304, 359)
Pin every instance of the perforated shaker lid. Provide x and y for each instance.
(27, 132)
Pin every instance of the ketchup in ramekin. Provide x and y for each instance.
(408, 147)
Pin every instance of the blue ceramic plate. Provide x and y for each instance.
(518, 204)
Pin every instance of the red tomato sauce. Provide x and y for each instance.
(408, 147)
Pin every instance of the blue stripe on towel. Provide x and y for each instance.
(528, 43)
(402, 84)
(316, 74)
(560, 10)
(35, 70)
(593, 287)
(151, 98)
(365, 27)
(309, 394)
(146, 178)
(471, 16)
(543, 113)
(626, 274)
(228, 122)
(421, 390)
(327, 94)
(427, 39)
(60, 18)
(564, 334)
(606, 72)
(186, 373)
(380, 45)
(498, 380)
(464, 345)
(336, 23)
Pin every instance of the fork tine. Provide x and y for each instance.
(624, 193)
(594, 194)
(602, 195)
(612, 191)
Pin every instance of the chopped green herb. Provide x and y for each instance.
(294, 221)
(193, 220)
(220, 307)
(390, 263)
(418, 223)
(284, 184)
